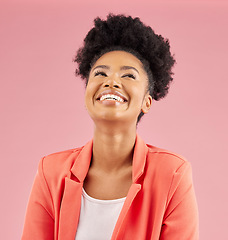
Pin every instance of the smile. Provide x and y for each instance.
(111, 95)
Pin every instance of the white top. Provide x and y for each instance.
(97, 217)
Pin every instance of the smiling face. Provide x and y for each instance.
(117, 88)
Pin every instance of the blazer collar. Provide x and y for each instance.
(139, 158)
(82, 162)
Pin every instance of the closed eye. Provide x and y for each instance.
(101, 73)
(129, 75)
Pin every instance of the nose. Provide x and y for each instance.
(112, 82)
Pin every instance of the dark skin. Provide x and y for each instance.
(121, 74)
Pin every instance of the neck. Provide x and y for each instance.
(113, 148)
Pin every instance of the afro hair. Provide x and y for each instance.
(120, 32)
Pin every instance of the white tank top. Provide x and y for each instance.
(97, 217)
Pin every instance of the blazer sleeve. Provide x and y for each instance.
(39, 219)
(181, 217)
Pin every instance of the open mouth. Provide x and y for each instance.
(111, 96)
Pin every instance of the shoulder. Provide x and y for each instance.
(165, 154)
(167, 170)
(165, 161)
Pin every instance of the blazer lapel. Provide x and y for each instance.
(71, 200)
(70, 210)
(118, 231)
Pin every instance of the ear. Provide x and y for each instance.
(146, 103)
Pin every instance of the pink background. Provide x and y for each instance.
(42, 104)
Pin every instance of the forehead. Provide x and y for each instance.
(119, 58)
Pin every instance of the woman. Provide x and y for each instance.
(116, 186)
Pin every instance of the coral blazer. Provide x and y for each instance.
(160, 204)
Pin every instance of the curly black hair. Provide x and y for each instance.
(120, 32)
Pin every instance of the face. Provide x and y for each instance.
(117, 88)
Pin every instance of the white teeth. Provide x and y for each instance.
(111, 97)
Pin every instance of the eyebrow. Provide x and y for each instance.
(122, 68)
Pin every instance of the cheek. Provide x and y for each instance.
(138, 92)
(88, 95)
(89, 89)
(90, 92)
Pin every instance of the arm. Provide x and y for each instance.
(39, 220)
(181, 217)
